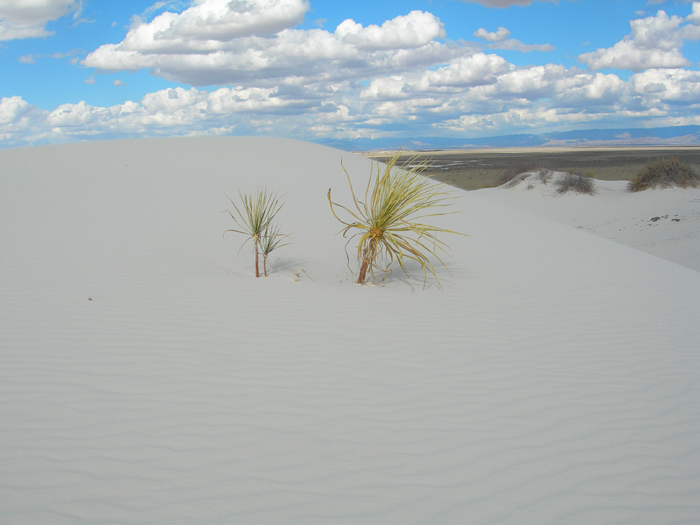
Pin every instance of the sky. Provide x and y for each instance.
(320, 70)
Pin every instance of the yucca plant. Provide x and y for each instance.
(386, 222)
(270, 241)
(256, 221)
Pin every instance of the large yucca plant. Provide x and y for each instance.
(256, 221)
(386, 222)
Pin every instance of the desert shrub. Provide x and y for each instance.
(665, 173)
(386, 221)
(575, 182)
(544, 175)
(256, 222)
(512, 174)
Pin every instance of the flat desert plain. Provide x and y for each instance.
(481, 168)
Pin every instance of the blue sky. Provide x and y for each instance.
(323, 69)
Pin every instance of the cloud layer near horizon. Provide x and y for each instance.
(359, 81)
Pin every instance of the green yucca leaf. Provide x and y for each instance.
(256, 221)
(387, 221)
(271, 239)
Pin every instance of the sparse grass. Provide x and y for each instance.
(511, 175)
(386, 221)
(575, 182)
(256, 222)
(665, 173)
(544, 175)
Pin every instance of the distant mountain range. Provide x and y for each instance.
(670, 136)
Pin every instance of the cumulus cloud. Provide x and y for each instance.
(655, 42)
(259, 43)
(413, 30)
(498, 36)
(477, 70)
(385, 88)
(27, 18)
(20, 122)
(661, 87)
(694, 17)
(500, 40)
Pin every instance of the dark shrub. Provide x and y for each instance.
(532, 167)
(575, 182)
(665, 173)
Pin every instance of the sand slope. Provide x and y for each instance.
(662, 222)
(147, 377)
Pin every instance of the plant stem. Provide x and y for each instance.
(363, 272)
(366, 261)
(257, 267)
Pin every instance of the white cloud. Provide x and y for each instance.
(118, 83)
(476, 70)
(667, 86)
(27, 18)
(217, 20)
(500, 40)
(498, 36)
(20, 123)
(385, 88)
(694, 17)
(413, 30)
(256, 55)
(529, 83)
(11, 108)
(655, 42)
(627, 55)
(586, 91)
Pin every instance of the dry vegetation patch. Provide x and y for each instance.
(665, 173)
(575, 182)
(512, 175)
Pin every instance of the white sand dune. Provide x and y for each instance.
(662, 222)
(147, 377)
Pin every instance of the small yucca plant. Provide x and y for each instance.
(270, 241)
(256, 221)
(386, 221)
